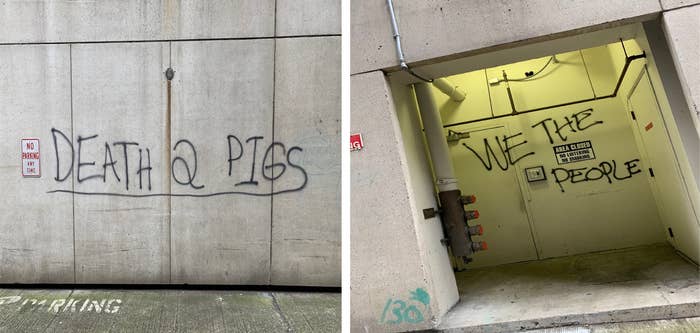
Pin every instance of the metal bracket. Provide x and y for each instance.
(429, 213)
(169, 74)
(453, 136)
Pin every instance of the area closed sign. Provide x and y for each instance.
(574, 152)
(30, 158)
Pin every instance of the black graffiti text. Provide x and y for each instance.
(236, 150)
(608, 171)
(575, 123)
(267, 163)
(85, 168)
(506, 147)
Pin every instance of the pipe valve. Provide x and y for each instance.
(476, 230)
(468, 199)
(471, 214)
(479, 246)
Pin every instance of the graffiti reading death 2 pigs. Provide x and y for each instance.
(129, 164)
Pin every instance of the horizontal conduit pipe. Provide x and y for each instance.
(628, 61)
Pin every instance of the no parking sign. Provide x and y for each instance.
(30, 158)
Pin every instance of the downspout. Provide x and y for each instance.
(454, 217)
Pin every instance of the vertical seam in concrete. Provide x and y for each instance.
(272, 184)
(72, 125)
(168, 143)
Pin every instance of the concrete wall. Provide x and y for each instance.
(244, 166)
(680, 27)
(392, 284)
(443, 38)
(439, 30)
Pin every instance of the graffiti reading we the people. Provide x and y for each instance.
(605, 170)
(405, 312)
(576, 122)
(117, 168)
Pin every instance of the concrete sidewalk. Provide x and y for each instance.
(113, 310)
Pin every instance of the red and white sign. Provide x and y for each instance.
(30, 158)
(356, 142)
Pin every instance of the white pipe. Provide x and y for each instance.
(397, 37)
(455, 93)
(437, 144)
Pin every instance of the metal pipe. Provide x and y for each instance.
(437, 144)
(452, 209)
(397, 37)
(449, 89)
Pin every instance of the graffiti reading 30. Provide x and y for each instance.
(405, 312)
(137, 177)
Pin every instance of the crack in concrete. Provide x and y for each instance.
(280, 313)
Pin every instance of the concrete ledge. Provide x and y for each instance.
(672, 311)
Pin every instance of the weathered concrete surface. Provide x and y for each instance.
(107, 85)
(35, 96)
(221, 88)
(446, 28)
(305, 224)
(22, 310)
(681, 27)
(671, 4)
(79, 21)
(312, 17)
(428, 231)
(386, 263)
(644, 283)
(119, 240)
(685, 325)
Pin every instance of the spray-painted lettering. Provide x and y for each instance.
(183, 166)
(506, 151)
(397, 311)
(608, 171)
(573, 124)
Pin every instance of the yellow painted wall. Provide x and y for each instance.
(589, 215)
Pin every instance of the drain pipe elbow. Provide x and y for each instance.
(456, 93)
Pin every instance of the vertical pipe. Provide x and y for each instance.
(439, 153)
(453, 215)
(397, 37)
